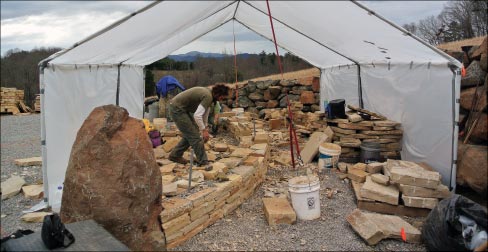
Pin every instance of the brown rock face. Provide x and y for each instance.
(467, 96)
(113, 178)
(472, 167)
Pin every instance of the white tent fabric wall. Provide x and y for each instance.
(70, 95)
(324, 33)
(421, 98)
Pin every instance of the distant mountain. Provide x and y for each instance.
(192, 56)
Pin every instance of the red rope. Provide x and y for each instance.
(293, 133)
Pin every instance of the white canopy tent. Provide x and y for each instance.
(364, 59)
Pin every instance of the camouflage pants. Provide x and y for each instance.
(190, 134)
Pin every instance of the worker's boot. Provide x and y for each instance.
(179, 160)
(208, 166)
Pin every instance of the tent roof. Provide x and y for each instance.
(325, 33)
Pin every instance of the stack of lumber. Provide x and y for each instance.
(37, 104)
(9, 99)
(396, 187)
(350, 133)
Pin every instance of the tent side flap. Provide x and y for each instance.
(419, 97)
(70, 94)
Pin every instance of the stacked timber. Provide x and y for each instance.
(350, 133)
(396, 187)
(37, 104)
(9, 99)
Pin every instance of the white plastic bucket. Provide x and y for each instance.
(304, 193)
(329, 156)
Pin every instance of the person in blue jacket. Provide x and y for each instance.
(166, 88)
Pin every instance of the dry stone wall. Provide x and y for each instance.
(255, 96)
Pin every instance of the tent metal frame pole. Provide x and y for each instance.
(360, 87)
(118, 85)
(43, 136)
(360, 93)
(407, 33)
(455, 127)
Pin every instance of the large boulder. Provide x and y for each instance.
(113, 178)
(472, 167)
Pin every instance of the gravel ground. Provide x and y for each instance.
(245, 229)
(20, 138)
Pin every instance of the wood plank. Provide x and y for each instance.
(366, 112)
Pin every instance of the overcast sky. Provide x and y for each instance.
(29, 24)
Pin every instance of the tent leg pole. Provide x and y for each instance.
(360, 87)
(455, 131)
(43, 136)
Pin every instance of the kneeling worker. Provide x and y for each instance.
(194, 129)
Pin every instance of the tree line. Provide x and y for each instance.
(19, 69)
(208, 71)
(458, 20)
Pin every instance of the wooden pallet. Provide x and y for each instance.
(380, 207)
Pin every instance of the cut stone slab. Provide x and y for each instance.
(380, 179)
(357, 175)
(170, 143)
(390, 163)
(37, 161)
(168, 179)
(183, 183)
(12, 186)
(196, 176)
(283, 159)
(160, 153)
(312, 146)
(415, 176)
(167, 169)
(442, 191)
(374, 167)
(33, 191)
(241, 152)
(359, 166)
(261, 138)
(230, 162)
(37, 217)
(419, 202)
(170, 189)
(221, 147)
(375, 191)
(278, 210)
(374, 227)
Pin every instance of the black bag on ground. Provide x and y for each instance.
(443, 230)
(53, 232)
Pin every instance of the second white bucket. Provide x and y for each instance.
(329, 156)
(305, 199)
